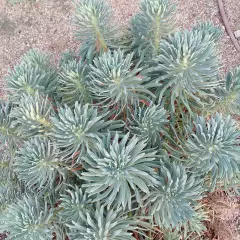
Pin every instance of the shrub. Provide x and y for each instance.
(123, 139)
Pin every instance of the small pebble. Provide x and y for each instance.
(237, 34)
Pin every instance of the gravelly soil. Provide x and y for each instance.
(46, 25)
(190, 12)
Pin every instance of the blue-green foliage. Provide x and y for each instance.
(121, 139)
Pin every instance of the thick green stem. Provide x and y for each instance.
(100, 41)
(156, 36)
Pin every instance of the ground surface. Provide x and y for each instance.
(47, 25)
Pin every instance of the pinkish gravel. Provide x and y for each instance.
(47, 25)
(190, 12)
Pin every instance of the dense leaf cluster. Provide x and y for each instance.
(124, 138)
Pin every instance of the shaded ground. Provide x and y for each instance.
(224, 216)
(46, 25)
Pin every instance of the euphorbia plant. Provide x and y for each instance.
(123, 139)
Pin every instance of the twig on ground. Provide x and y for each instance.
(227, 26)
